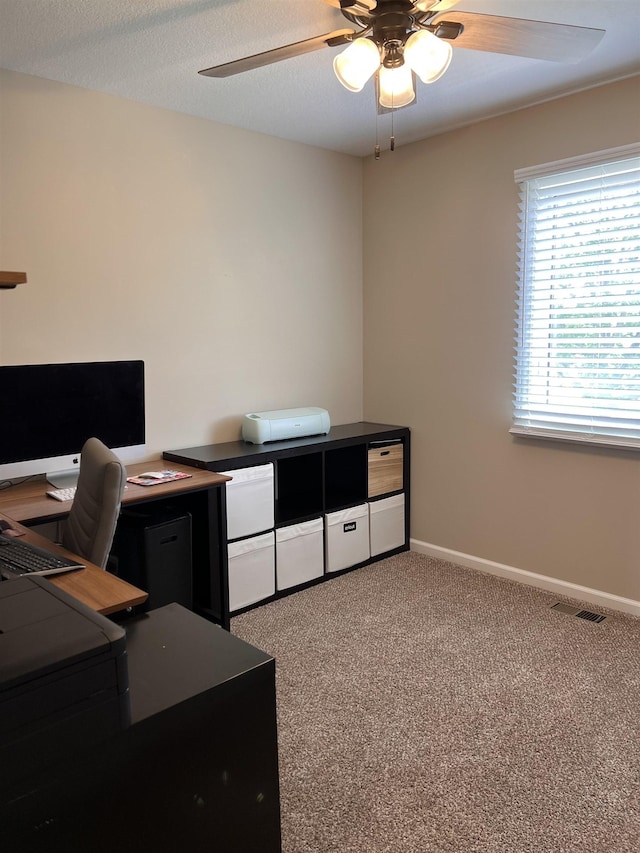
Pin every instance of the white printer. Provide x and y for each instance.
(259, 427)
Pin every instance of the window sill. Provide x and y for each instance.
(607, 441)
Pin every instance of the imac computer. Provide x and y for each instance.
(48, 411)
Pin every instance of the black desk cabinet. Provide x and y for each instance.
(196, 771)
(316, 477)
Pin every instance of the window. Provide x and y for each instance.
(578, 306)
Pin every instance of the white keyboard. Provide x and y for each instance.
(63, 494)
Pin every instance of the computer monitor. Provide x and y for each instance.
(47, 412)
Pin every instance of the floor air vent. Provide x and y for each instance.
(592, 617)
(576, 611)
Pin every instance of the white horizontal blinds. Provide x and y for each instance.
(578, 305)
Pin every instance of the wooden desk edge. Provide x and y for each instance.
(28, 502)
(95, 587)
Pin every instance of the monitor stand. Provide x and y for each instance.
(63, 479)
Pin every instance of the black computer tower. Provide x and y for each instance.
(152, 550)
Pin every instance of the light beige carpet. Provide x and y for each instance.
(428, 708)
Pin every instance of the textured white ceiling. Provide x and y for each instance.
(151, 51)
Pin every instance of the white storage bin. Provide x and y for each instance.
(252, 575)
(386, 524)
(347, 537)
(250, 504)
(299, 553)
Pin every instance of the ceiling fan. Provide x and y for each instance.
(397, 39)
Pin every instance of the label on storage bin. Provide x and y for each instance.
(350, 527)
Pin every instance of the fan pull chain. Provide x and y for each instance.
(392, 138)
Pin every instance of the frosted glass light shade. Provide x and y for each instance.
(396, 87)
(443, 5)
(355, 65)
(427, 55)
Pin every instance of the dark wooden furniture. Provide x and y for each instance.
(202, 495)
(197, 769)
(8, 280)
(322, 474)
(314, 476)
(99, 590)
(28, 503)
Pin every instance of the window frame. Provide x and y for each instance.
(536, 377)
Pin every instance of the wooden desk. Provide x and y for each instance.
(202, 495)
(96, 588)
(28, 503)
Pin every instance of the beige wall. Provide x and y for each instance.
(440, 238)
(232, 264)
(229, 261)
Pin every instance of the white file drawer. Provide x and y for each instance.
(252, 574)
(299, 553)
(250, 503)
(347, 537)
(386, 524)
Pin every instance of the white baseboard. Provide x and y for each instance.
(570, 590)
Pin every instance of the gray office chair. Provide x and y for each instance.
(94, 513)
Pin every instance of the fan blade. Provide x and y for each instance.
(337, 37)
(519, 37)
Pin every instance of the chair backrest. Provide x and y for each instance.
(94, 513)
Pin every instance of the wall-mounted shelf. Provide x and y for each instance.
(9, 280)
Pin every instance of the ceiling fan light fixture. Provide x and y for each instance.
(427, 55)
(355, 65)
(396, 87)
(436, 5)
